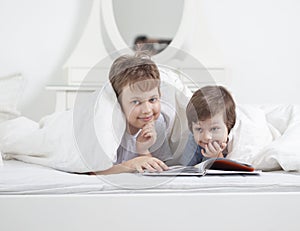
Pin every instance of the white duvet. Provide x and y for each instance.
(267, 137)
(87, 138)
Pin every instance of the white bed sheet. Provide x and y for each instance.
(19, 178)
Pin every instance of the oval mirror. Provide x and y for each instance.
(149, 25)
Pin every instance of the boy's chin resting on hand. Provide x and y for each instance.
(213, 150)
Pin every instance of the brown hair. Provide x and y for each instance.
(133, 70)
(209, 101)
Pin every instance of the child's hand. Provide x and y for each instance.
(213, 149)
(146, 139)
(143, 163)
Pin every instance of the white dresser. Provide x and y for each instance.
(66, 92)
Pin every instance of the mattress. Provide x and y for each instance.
(19, 178)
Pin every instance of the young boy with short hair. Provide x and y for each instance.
(211, 115)
(144, 146)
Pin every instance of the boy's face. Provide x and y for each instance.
(139, 107)
(209, 130)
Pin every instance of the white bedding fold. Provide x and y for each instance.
(66, 140)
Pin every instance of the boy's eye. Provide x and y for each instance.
(152, 100)
(198, 129)
(214, 129)
(135, 102)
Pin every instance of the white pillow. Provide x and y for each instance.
(249, 135)
(11, 88)
(267, 137)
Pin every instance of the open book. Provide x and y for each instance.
(213, 166)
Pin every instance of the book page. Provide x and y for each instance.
(177, 170)
(205, 164)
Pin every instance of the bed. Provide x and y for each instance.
(34, 197)
(38, 193)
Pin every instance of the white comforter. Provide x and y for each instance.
(86, 138)
(267, 137)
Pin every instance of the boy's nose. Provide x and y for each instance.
(146, 107)
(206, 136)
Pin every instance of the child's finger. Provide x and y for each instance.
(156, 166)
(161, 164)
(146, 130)
(216, 146)
(149, 125)
(211, 148)
(204, 152)
(223, 146)
(146, 133)
(149, 167)
(139, 169)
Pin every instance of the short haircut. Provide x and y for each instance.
(134, 71)
(208, 102)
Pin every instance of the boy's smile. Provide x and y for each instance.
(146, 119)
(139, 107)
(209, 130)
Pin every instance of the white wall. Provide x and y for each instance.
(258, 41)
(260, 44)
(36, 38)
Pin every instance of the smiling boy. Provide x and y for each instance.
(211, 115)
(144, 145)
